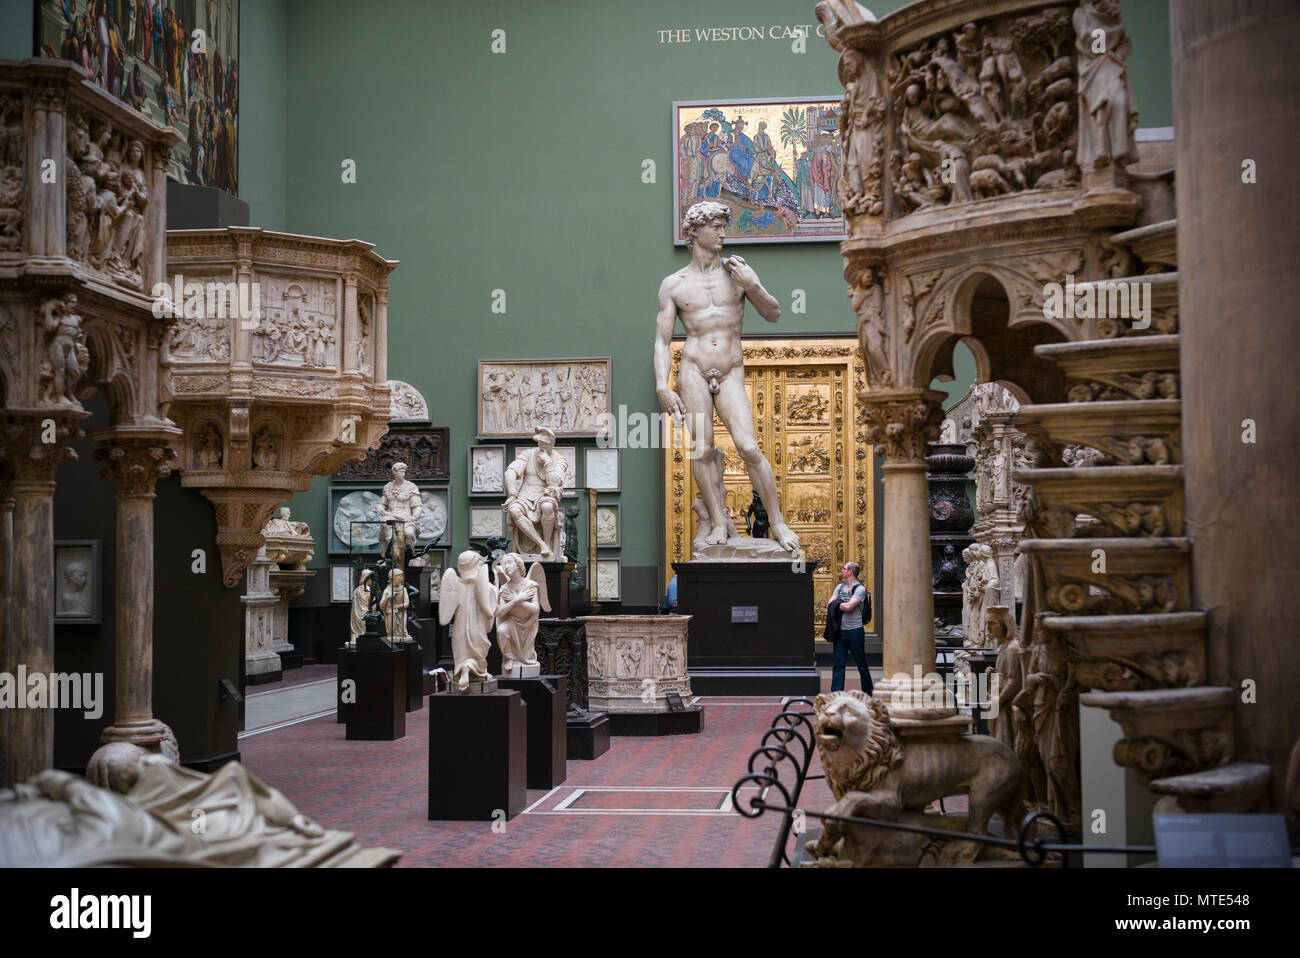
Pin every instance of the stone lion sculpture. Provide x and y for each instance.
(874, 774)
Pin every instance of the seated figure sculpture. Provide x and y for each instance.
(521, 598)
(534, 486)
(401, 502)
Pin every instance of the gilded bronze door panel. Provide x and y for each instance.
(802, 394)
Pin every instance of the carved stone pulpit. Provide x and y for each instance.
(279, 355)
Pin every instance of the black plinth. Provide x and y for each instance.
(414, 675)
(557, 587)
(587, 734)
(729, 653)
(547, 699)
(478, 756)
(379, 711)
(263, 678)
(290, 660)
(192, 207)
(687, 721)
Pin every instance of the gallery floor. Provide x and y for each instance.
(647, 802)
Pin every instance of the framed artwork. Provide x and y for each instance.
(435, 560)
(570, 455)
(354, 527)
(77, 578)
(570, 396)
(182, 73)
(341, 581)
(607, 524)
(602, 469)
(486, 522)
(487, 470)
(774, 163)
(609, 580)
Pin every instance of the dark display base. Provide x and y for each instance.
(379, 712)
(290, 661)
(546, 697)
(478, 756)
(414, 675)
(772, 655)
(263, 678)
(686, 722)
(557, 587)
(587, 735)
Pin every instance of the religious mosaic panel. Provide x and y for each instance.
(802, 395)
(176, 61)
(773, 163)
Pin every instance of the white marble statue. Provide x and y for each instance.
(708, 296)
(1107, 115)
(521, 598)
(534, 487)
(394, 603)
(468, 600)
(401, 500)
(980, 590)
(360, 606)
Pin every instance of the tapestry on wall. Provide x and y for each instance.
(774, 163)
(176, 61)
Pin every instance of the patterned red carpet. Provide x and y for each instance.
(647, 802)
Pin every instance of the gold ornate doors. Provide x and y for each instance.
(802, 394)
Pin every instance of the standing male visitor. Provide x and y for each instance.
(852, 603)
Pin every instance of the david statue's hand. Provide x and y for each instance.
(740, 271)
(671, 403)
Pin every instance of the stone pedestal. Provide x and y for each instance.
(261, 658)
(951, 517)
(557, 587)
(477, 756)
(562, 649)
(379, 710)
(751, 626)
(634, 662)
(546, 698)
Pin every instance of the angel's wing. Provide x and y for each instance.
(538, 575)
(449, 595)
(486, 593)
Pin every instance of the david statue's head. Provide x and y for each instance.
(707, 218)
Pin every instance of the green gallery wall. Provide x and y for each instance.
(522, 171)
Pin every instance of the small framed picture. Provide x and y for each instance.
(609, 580)
(607, 525)
(486, 521)
(602, 469)
(570, 456)
(77, 575)
(487, 470)
(341, 585)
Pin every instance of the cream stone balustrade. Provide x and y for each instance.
(82, 216)
(279, 361)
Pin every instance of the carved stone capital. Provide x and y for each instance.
(49, 96)
(1170, 731)
(135, 464)
(902, 424)
(32, 446)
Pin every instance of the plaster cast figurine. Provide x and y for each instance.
(468, 600)
(400, 501)
(520, 600)
(360, 606)
(758, 514)
(73, 598)
(394, 604)
(534, 487)
(708, 296)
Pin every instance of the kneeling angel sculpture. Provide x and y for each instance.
(520, 599)
(469, 597)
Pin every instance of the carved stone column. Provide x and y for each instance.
(27, 734)
(901, 424)
(135, 460)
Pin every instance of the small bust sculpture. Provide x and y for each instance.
(72, 597)
(468, 600)
(401, 502)
(520, 600)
